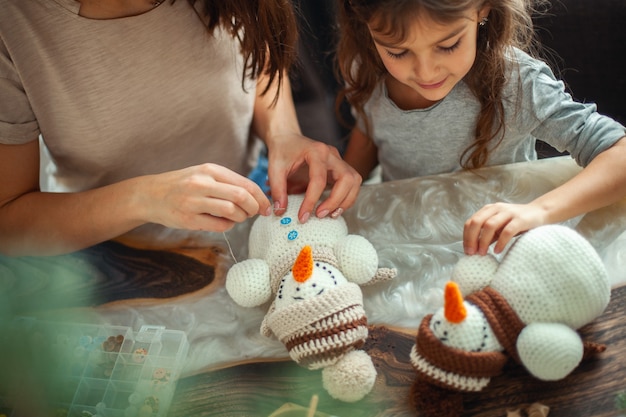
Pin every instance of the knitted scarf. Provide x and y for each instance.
(319, 331)
(460, 370)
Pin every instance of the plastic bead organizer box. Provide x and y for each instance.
(102, 371)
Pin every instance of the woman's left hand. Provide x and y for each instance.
(303, 165)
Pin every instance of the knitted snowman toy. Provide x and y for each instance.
(312, 273)
(527, 307)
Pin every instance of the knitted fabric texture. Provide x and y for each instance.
(526, 306)
(322, 254)
(318, 331)
(280, 269)
(550, 282)
(503, 320)
(551, 274)
(313, 271)
(460, 370)
(278, 240)
(452, 368)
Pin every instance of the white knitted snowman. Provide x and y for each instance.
(312, 273)
(550, 283)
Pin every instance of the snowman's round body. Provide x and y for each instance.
(276, 241)
(550, 275)
(279, 239)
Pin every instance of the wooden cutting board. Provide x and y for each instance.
(110, 271)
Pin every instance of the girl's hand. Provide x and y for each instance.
(499, 222)
(205, 197)
(300, 164)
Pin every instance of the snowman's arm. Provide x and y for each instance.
(358, 259)
(475, 272)
(549, 351)
(248, 282)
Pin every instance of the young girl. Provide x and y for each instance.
(442, 85)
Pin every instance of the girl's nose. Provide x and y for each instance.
(425, 70)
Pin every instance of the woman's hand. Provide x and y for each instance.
(303, 165)
(297, 163)
(500, 222)
(205, 197)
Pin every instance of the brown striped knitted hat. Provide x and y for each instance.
(317, 332)
(460, 370)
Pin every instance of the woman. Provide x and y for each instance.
(148, 112)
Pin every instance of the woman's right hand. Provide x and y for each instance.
(205, 197)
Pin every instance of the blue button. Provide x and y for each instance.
(285, 220)
(293, 235)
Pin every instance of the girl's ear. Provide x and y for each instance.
(484, 12)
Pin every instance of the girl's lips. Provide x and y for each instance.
(432, 86)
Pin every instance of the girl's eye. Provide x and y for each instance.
(396, 55)
(450, 49)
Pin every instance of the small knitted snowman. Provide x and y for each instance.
(312, 273)
(527, 307)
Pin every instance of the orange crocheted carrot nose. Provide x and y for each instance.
(303, 267)
(454, 310)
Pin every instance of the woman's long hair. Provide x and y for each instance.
(361, 69)
(266, 30)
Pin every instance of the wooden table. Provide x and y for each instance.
(259, 387)
(176, 280)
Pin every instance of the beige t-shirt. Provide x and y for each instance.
(114, 99)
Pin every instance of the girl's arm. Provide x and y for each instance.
(361, 153)
(297, 163)
(601, 183)
(206, 197)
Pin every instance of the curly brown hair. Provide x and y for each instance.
(266, 30)
(361, 69)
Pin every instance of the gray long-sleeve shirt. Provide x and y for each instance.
(430, 141)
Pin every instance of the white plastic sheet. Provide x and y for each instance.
(416, 226)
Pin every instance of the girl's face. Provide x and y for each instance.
(431, 61)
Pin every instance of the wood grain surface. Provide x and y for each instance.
(107, 272)
(257, 388)
(113, 271)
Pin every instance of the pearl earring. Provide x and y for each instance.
(483, 22)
